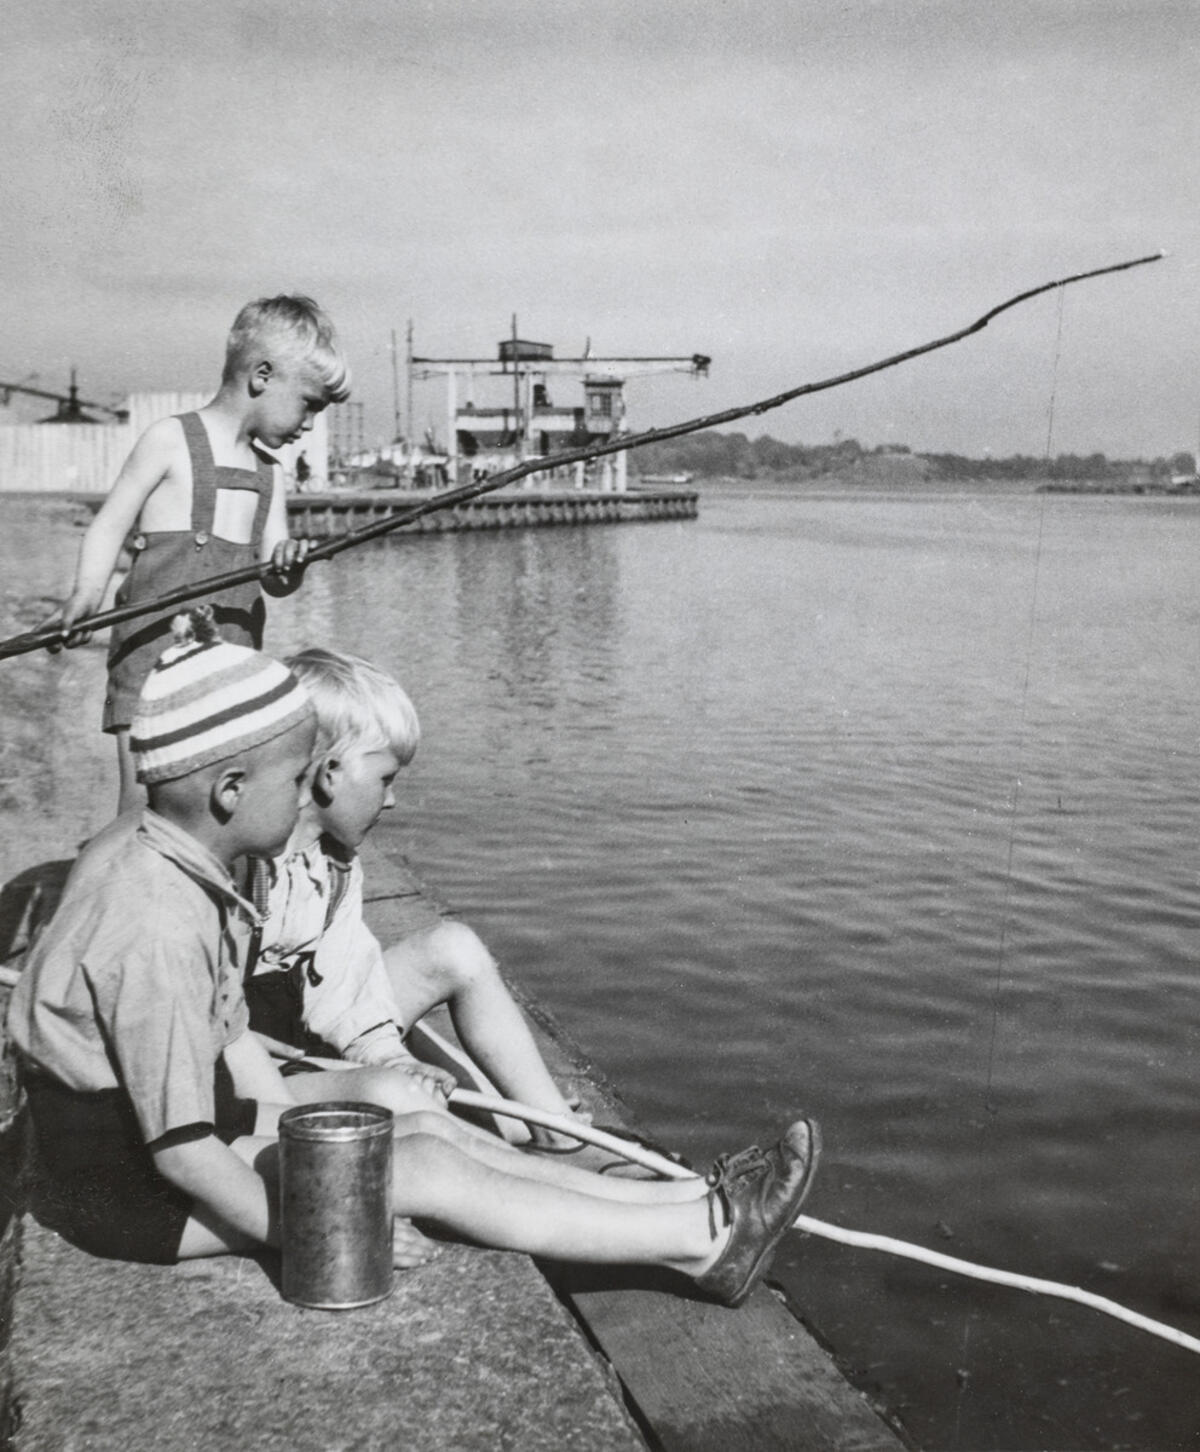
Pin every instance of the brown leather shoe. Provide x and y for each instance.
(762, 1191)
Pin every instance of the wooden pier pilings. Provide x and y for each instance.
(322, 516)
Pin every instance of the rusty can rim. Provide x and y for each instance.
(319, 1122)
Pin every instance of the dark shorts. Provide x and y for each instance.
(95, 1180)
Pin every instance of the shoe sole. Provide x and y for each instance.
(801, 1194)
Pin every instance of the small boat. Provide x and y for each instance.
(668, 480)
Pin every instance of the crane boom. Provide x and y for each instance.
(694, 363)
(69, 404)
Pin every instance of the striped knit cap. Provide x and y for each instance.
(206, 700)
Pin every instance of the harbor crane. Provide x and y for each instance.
(531, 425)
(70, 408)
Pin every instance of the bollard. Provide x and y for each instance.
(335, 1204)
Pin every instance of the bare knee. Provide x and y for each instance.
(443, 964)
(427, 1123)
(425, 1168)
(462, 955)
(395, 1090)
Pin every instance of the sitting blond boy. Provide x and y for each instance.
(320, 981)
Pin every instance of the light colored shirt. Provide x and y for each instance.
(136, 982)
(348, 998)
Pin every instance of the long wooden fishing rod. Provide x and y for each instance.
(48, 635)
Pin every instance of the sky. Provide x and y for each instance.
(793, 187)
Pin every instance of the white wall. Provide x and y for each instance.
(86, 458)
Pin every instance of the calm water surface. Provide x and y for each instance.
(880, 807)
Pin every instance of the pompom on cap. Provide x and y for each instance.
(197, 626)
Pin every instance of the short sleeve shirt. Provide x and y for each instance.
(135, 982)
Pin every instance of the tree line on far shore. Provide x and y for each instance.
(734, 456)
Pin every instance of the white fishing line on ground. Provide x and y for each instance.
(862, 1240)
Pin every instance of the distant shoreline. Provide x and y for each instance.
(852, 483)
(1116, 486)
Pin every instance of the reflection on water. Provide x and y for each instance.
(883, 807)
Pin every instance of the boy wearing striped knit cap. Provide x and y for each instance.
(132, 994)
(156, 1110)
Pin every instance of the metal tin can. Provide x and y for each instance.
(335, 1204)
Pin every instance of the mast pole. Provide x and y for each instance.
(518, 427)
(395, 392)
(408, 368)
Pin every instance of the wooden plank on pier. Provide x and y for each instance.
(706, 1379)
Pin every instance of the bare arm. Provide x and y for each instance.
(149, 463)
(217, 1179)
(286, 554)
(255, 1077)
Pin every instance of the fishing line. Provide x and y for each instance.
(39, 638)
(1030, 636)
(864, 1240)
(991, 1109)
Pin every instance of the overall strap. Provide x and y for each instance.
(204, 476)
(259, 893)
(339, 863)
(258, 890)
(266, 486)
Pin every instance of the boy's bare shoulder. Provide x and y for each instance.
(159, 449)
(165, 435)
(157, 475)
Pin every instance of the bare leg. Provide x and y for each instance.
(497, 1155)
(417, 1113)
(391, 1088)
(433, 1180)
(451, 965)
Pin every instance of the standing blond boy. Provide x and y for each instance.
(205, 497)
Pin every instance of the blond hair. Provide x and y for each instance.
(291, 329)
(358, 706)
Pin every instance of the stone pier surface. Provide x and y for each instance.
(472, 1352)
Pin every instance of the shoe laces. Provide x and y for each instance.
(729, 1172)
